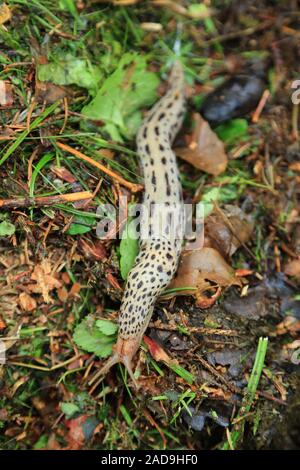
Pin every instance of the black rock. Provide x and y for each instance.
(235, 98)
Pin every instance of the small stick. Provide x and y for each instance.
(260, 106)
(66, 109)
(132, 186)
(195, 329)
(219, 376)
(44, 200)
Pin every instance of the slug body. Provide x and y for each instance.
(160, 247)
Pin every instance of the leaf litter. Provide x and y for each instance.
(59, 349)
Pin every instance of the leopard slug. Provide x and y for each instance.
(159, 252)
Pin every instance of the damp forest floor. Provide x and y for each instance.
(218, 368)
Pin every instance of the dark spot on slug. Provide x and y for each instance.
(168, 188)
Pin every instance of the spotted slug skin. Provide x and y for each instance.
(159, 252)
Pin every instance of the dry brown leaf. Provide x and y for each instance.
(75, 436)
(226, 230)
(295, 166)
(64, 174)
(27, 302)
(293, 268)
(206, 150)
(6, 93)
(49, 92)
(75, 289)
(45, 280)
(199, 268)
(94, 250)
(289, 324)
(62, 294)
(156, 350)
(5, 13)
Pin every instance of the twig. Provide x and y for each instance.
(153, 423)
(132, 186)
(219, 376)
(45, 369)
(231, 35)
(195, 329)
(66, 110)
(44, 200)
(262, 102)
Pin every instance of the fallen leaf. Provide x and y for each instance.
(289, 324)
(75, 436)
(22, 380)
(113, 281)
(293, 268)
(75, 289)
(199, 268)
(6, 95)
(295, 166)
(11, 338)
(64, 174)
(207, 302)
(62, 294)
(27, 302)
(94, 250)
(45, 280)
(205, 151)
(48, 92)
(156, 350)
(227, 229)
(243, 272)
(5, 13)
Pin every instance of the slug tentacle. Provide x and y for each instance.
(162, 221)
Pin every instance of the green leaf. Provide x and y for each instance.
(78, 229)
(37, 168)
(41, 442)
(129, 88)
(185, 374)
(70, 70)
(6, 229)
(232, 130)
(198, 10)
(107, 327)
(88, 337)
(208, 198)
(129, 248)
(80, 225)
(69, 5)
(69, 409)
